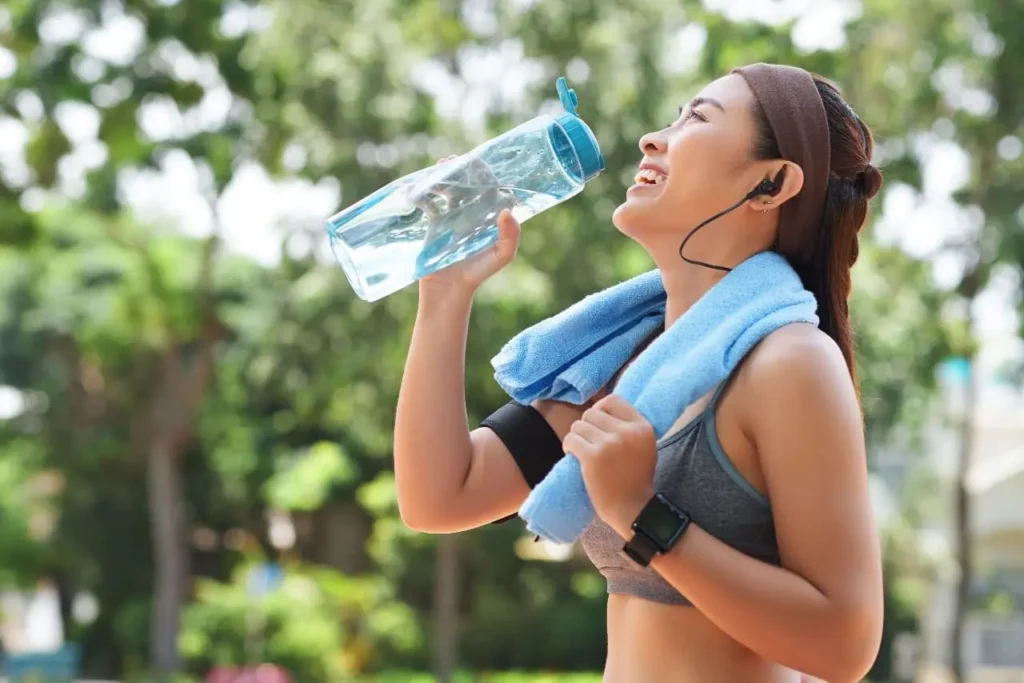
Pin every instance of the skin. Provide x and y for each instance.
(789, 422)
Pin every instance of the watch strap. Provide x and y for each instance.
(641, 548)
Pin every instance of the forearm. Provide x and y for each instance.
(769, 609)
(432, 446)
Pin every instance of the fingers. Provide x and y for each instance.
(618, 407)
(587, 431)
(576, 445)
(508, 226)
(508, 236)
(582, 439)
(602, 420)
(447, 158)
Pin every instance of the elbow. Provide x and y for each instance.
(857, 640)
(415, 519)
(853, 664)
(417, 523)
(417, 507)
(439, 518)
(425, 518)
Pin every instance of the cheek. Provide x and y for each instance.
(703, 158)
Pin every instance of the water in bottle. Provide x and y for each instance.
(438, 216)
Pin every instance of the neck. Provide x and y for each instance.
(686, 282)
(684, 285)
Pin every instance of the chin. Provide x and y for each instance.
(635, 217)
(620, 218)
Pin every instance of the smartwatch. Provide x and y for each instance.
(657, 528)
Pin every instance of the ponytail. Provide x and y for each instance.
(853, 181)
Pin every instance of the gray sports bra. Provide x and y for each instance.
(695, 474)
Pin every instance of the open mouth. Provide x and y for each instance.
(649, 176)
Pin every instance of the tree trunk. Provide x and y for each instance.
(169, 555)
(963, 523)
(446, 608)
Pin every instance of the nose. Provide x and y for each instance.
(653, 143)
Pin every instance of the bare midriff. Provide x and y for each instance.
(650, 642)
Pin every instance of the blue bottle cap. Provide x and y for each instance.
(580, 135)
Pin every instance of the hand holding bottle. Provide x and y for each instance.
(467, 275)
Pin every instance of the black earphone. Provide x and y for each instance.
(765, 187)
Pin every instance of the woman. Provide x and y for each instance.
(779, 571)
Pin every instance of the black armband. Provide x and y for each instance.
(534, 445)
(528, 437)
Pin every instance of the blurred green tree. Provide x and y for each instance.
(980, 107)
(130, 322)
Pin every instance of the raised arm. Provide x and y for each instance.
(447, 477)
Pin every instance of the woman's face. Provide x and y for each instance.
(699, 165)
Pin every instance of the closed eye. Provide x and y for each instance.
(686, 114)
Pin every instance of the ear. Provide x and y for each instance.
(791, 177)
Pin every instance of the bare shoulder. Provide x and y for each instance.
(797, 370)
(795, 354)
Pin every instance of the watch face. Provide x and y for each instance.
(660, 522)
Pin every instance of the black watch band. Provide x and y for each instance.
(657, 528)
(641, 548)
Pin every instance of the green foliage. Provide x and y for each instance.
(899, 339)
(23, 551)
(294, 627)
(319, 625)
(305, 480)
(485, 677)
(999, 603)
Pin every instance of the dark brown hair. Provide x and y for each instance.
(851, 184)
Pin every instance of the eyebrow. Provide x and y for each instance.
(697, 101)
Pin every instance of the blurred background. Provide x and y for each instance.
(196, 411)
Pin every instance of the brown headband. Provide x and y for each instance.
(796, 114)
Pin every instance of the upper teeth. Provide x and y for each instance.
(651, 176)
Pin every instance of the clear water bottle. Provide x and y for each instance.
(438, 216)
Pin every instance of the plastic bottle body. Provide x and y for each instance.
(440, 215)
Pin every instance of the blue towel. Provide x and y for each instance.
(572, 355)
